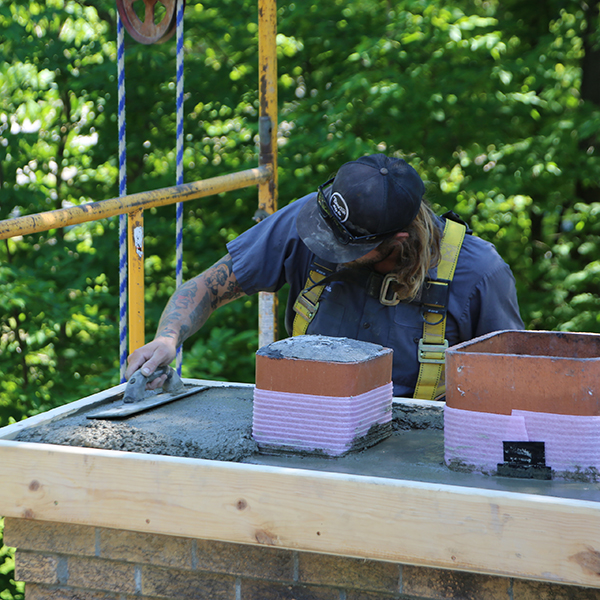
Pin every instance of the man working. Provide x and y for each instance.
(365, 258)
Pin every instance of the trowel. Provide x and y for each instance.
(137, 399)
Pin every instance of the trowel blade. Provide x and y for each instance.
(127, 410)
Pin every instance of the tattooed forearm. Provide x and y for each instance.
(222, 283)
(193, 302)
(199, 316)
(172, 321)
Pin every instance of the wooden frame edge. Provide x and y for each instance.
(434, 525)
(451, 527)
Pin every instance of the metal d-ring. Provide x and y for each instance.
(385, 286)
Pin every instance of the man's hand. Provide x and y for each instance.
(161, 351)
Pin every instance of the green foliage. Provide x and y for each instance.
(56, 304)
(9, 589)
(491, 102)
(487, 100)
(497, 104)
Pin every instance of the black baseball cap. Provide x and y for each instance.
(369, 200)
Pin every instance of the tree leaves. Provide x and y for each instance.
(484, 99)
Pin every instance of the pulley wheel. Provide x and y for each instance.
(148, 31)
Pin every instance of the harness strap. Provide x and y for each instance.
(307, 303)
(434, 305)
(431, 382)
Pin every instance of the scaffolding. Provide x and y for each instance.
(264, 176)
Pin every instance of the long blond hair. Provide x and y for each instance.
(419, 253)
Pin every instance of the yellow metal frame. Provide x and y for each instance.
(267, 191)
(135, 279)
(265, 176)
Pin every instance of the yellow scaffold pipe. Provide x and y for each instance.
(92, 211)
(267, 191)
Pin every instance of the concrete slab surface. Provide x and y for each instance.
(217, 424)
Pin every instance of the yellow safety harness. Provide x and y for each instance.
(307, 303)
(433, 344)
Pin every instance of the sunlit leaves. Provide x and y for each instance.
(483, 98)
(9, 589)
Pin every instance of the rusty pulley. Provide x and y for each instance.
(159, 19)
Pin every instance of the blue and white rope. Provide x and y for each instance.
(179, 172)
(122, 192)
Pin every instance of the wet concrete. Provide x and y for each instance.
(418, 455)
(323, 348)
(216, 424)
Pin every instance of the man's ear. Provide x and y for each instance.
(401, 235)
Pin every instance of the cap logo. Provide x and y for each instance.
(339, 207)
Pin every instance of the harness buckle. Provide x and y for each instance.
(305, 308)
(437, 350)
(434, 300)
(436, 311)
(385, 287)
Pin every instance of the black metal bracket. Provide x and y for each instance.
(525, 460)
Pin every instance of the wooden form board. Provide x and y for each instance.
(459, 528)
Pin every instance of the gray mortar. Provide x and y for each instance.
(323, 348)
(215, 424)
(377, 432)
(589, 474)
(406, 417)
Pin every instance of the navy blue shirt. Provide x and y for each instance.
(482, 294)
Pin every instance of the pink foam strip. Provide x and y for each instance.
(343, 417)
(339, 410)
(475, 438)
(516, 430)
(349, 415)
(347, 406)
(280, 426)
(571, 441)
(310, 429)
(330, 446)
(310, 422)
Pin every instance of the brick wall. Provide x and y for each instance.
(75, 562)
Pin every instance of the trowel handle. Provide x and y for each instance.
(136, 386)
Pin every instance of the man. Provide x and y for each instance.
(366, 249)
